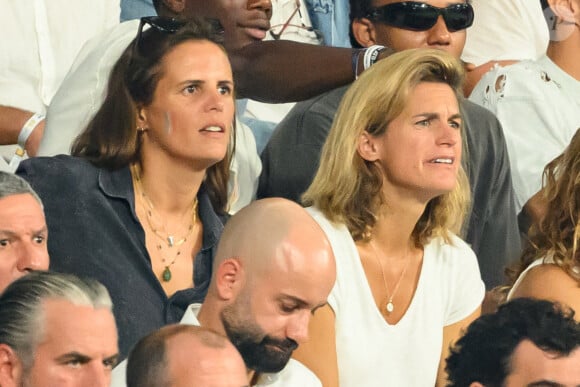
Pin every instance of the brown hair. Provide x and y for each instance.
(347, 188)
(556, 236)
(111, 139)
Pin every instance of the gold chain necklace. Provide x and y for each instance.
(167, 238)
(390, 306)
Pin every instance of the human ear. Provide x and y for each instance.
(476, 384)
(228, 277)
(363, 31)
(564, 10)
(141, 119)
(10, 367)
(367, 147)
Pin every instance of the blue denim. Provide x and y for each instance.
(135, 9)
(262, 130)
(331, 17)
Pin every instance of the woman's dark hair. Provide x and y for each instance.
(111, 139)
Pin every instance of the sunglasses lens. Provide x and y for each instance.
(417, 16)
(458, 17)
(407, 15)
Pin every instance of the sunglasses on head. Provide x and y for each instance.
(168, 25)
(417, 16)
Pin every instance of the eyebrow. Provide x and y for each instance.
(82, 358)
(436, 115)
(545, 383)
(201, 82)
(11, 233)
(73, 356)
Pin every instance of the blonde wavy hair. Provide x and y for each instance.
(347, 188)
(556, 236)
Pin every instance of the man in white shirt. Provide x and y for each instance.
(538, 102)
(41, 38)
(274, 267)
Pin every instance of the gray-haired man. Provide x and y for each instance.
(56, 330)
(22, 230)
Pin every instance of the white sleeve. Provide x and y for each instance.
(464, 287)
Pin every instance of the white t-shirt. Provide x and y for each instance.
(538, 105)
(84, 89)
(506, 29)
(373, 353)
(295, 374)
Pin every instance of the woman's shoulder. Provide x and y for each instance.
(59, 167)
(59, 175)
(452, 247)
(549, 281)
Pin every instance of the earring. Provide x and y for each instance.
(141, 129)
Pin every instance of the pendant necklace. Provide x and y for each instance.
(390, 306)
(165, 237)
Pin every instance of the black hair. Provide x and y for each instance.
(484, 353)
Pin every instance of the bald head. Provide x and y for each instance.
(274, 267)
(278, 233)
(185, 356)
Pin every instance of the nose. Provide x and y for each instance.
(32, 256)
(96, 375)
(298, 328)
(448, 135)
(439, 35)
(215, 102)
(262, 5)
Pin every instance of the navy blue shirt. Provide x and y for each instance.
(94, 232)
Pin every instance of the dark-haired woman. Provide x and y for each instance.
(140, 205)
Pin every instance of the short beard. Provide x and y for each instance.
(260, 352)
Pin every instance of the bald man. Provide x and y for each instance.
(185, 356)
(273, 269)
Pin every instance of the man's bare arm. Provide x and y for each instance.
(11, 122)
(285, 71)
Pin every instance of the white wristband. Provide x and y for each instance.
(371, 55)
(27, 129)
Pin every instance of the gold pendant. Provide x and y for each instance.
(390, 307)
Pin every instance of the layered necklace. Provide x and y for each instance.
(389, 305)
(168, 243)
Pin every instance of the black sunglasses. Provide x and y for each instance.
(417, 16)
(169, 25)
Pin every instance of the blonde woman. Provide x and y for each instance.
(550, 265)
(390, 192)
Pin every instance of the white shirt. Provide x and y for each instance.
(295, 374)
(506, 29)
(538, 105)
(40, 40)
(373, 353)
(83, 90)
